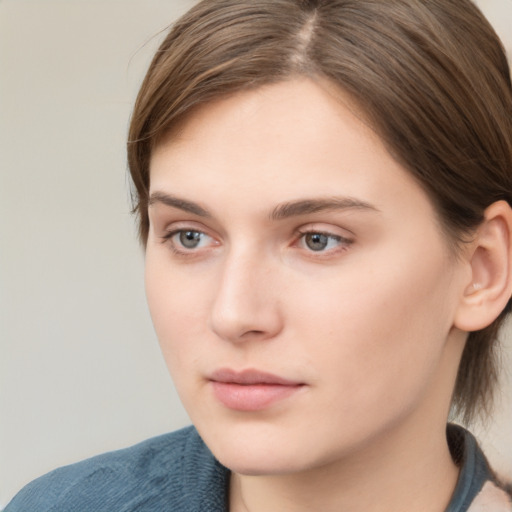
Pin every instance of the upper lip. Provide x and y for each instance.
(248, 377)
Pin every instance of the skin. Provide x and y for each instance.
(366, 325)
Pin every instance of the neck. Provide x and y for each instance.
(387, 476)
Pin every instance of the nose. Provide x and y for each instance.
(246, 305)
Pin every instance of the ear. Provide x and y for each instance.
(490, 259)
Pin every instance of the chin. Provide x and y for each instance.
(262, 464)
(259, 450)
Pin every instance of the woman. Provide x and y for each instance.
(323, 191)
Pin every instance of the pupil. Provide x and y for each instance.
(316, 241)
(190, 239)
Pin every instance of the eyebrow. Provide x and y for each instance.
(306, 206)
(177, 202)
(280, 212)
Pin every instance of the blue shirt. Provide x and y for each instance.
(177, 472)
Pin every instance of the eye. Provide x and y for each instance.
(318, 241)
(189, 239)
(185, 240)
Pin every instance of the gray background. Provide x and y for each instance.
(80, 368)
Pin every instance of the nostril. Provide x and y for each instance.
(253, 333)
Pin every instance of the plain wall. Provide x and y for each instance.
(80, 367)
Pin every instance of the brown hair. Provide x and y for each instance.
(431, 77)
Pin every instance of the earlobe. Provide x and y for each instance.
(490, 259)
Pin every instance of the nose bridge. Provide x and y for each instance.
(245, 305)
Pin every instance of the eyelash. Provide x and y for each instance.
(182, 251)
(342, 242)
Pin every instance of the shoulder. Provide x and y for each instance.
(492, 498)
(173, 469)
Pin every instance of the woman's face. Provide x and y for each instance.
(300, 286)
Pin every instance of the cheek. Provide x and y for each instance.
(178, 305)
(378, 335)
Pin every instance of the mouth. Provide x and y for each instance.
(251, 390)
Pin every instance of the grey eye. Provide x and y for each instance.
(316, 241)
(190, 239)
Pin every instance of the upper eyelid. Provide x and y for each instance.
(185, 225)
(331, 230)
(165, 225)
(320, 232)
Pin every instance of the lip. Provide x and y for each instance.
(251, 390)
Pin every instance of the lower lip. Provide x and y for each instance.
(251, 397)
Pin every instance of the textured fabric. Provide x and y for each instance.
(176, 472)
(477, 485)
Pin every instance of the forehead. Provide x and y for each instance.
(300, 96)
(275, 143)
